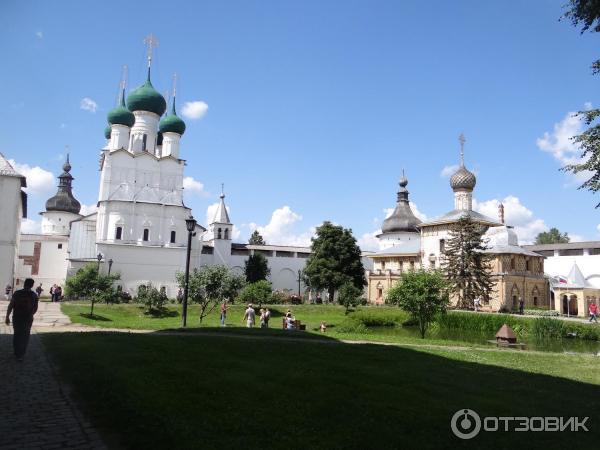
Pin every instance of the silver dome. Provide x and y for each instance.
(463, 179)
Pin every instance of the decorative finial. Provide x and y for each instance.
(462, 141)
(501, 212)
(67, 165)
(151, 42)
(222, 190)
(403, 180)
(174, 92)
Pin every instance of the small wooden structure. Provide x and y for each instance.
(506, 335)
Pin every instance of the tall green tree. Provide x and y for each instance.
(334, 260)
(209, 286)
(256, 239)
(465, 263)
(256, 268)
(586, 14)
(422, 293)
(553, 236)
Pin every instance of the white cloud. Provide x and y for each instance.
(525, 224)
(560, 143)
(39, 181)
(192, 186)
(448, 171)
(194, 110)
(87, 104)
(29, 226)
(369, 241)
(88, 209)
(39, 34)
(281, 229)
(63, 126)
(598, 228)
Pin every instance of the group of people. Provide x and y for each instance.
(250, 317)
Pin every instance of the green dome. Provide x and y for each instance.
(146, 98)
(172, 123)
(121, 115)
(107, 131)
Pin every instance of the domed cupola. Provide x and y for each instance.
(121, 115)
(146, 98)
(172, 123)
(463, 179)
(64, 200)
(402, 219)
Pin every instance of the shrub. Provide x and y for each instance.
(352, 325)
(542, 312)
(259, 293)
(154, 301)
(279, 298)
(349, 296)
(379, 318)
(547, 328)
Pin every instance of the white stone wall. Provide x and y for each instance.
(52, 260)
(57, 222)
(430, 244)
(10, 224)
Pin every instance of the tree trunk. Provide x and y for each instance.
(331, 292)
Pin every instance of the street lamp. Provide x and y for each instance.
(110, 263)
(99, 258)
(190, 224)
(299, 281)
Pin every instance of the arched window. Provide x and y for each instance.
(144, 141)
(226, 233)
(119, 233)
(173, 234)
(146, 234)
(527, 265)
(382, 265)
(512, 263)
(219, 234)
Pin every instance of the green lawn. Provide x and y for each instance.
(207, 391)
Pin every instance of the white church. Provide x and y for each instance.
(139, 228)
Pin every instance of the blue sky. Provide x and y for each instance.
(315, 107)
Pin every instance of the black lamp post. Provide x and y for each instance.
(190, 224)
(110, 263)
(299, 281)
(99, 258)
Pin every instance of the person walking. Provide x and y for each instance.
(224, 309)
(180, 296)
(58, 293)
(593, 310)
(23, 306)
(262, 318)
(521, 306)
(249, 316)
(267, 317)
(39, 290)
(7, 291)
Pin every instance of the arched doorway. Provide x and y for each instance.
(569, 305)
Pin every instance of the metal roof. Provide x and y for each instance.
(567, 246)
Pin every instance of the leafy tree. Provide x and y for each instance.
(89, 284)
(466, 264)
(259, 292)
(554, 236)
(349, 296)
(154, 301)
(234, 285)
(422, 293)
(335, 260)
(586, 13)
(256, 239)
(208, 286)
(256, 268)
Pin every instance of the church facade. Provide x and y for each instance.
(407, 244)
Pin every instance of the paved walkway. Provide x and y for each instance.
(36, 411)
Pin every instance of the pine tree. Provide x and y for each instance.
(256, 239)
(256, 268)
(465, 263)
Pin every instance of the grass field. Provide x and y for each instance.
(205, 391)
